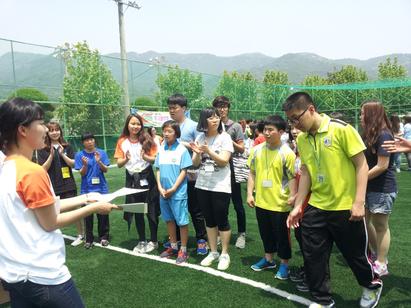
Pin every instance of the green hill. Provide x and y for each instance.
(45, 72)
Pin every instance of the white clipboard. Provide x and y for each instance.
(119, 193)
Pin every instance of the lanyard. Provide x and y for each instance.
(317, 156)
(212, 142)
(267, 166)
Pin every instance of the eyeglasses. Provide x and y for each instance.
(173, 108)
(296, 120)
(214, 117)
(222, 107)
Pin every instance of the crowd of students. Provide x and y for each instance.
(311, 173)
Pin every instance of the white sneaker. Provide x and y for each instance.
(78, 241)
(223, 262)
(240, 243)
(141, 247)
(151, 246)
(398, 170)
(315, 305)
(211, 257)
(370, 298)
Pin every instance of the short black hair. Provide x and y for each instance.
(206, 113)
(177, 99)
(220, 101)
(174, 125)
(276, 121)
(298, 100)
(14, 113)
(87, 135)
(260, 126)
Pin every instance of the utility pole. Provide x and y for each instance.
(123, 52)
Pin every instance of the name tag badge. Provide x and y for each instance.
(320, 178)
(95, 181)
(209, 168)
(267, 183)
(143, 182)
(65, 172)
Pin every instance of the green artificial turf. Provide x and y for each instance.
(111, 279)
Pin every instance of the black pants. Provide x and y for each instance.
(320, 229)
(151, 197)
(195, 212)
(103, 225)
(214, 206)
(274, 232)
(237, 201)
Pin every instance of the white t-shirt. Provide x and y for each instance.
(27, 251)
(212, 177)
(136, 164)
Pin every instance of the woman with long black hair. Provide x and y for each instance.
(136, 151)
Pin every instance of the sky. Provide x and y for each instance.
(359, 29)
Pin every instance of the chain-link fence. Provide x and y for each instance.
(45, 68)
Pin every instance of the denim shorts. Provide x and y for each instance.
(380, 202)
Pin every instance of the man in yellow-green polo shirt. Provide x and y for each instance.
(335, 170)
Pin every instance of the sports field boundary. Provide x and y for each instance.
(259, 285)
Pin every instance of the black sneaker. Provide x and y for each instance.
(88, 245)
(303, 287)
(298, 275)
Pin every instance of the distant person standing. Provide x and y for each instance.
(398, 130)
(211, 152)
(92, 163)
(177, 106)
(259, 136)
(235, 131)
(57, 158)
(407, 135)
(382, 183)
(273, 181)
(172, 162)
(334, 169)
(153, 133)
(136, 151)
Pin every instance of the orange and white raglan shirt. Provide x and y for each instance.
(136, 164)
(27, 251)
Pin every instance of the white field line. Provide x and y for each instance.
(211, 271)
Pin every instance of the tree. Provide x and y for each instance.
(390, 70)
(324, 99)
(241, 89)
(146, 103)
(274, 90)
(394, 97)
(347, 74)
(37, 96)
(181, 81)
(349, 100)
(91, 96)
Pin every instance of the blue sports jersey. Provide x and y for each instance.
(171, 160)
(93, 180)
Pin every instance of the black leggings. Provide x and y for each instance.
(214, 206)
(151, 197)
